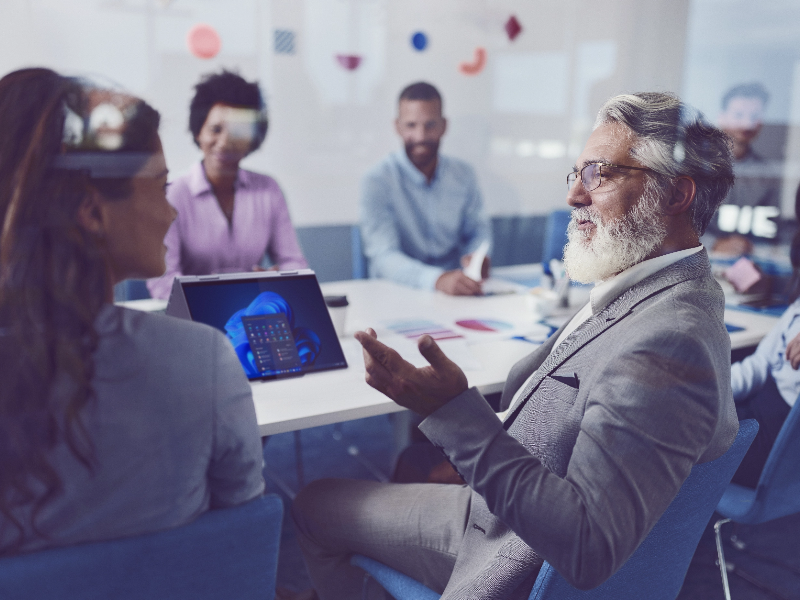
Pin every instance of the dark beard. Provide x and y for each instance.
(421, 164)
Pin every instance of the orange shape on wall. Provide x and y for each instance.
(203, 41)
(477, 64)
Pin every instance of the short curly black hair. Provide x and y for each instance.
(231, 89)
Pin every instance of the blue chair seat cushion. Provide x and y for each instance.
(396, 583)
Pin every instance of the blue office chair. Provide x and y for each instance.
(658, 567)
(778, 491)
(131, 289)
(555, 237)
(400, 586)
(357, 253)
(229, 553)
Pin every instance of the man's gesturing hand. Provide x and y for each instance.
(421, 390)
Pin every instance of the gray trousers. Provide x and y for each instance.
(414, 528)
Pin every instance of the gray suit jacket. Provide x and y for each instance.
(608, 430)
(173, 430)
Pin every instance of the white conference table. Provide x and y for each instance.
(334, 396)
(486, 357)
(341, 395)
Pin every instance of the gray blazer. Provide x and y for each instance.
(607, 432)
(173, 429)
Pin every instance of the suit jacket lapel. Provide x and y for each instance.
(522, 370)
(691, 267)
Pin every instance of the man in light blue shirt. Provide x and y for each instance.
(421, 213)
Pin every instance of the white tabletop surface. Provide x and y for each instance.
(324, 398)
(341, 395)
(486, 357)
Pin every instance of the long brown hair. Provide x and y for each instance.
(54, 279)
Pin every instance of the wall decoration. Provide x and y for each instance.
(284, 41)
(203, 41)
(419, 41)
(349, 61)
(512, 27)
(477, 64)
(354, 34)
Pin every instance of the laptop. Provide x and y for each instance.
(277, 321)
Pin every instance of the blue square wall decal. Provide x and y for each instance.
(284, 41)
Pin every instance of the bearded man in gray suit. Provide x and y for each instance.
(602, 424)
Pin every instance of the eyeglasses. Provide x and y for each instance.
(592, 175)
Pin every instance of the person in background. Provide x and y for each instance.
(421, 212)
(747, 214)
(114, 422)
(766, 384)
(229, 219)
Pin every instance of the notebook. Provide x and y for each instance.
(277, 321)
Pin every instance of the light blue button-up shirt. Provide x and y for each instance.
(412, 230)
(750, 375)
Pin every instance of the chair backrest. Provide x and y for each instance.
(658, 567)
(357, 253)
(229, 553)
(778, 490)
(555, 237)
(131, 289)
(514, 239)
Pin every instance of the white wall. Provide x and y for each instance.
(520, 121)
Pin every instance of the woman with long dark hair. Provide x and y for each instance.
(112, 422)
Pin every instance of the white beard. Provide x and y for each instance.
(615, 246)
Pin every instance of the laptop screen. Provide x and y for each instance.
(279, 326)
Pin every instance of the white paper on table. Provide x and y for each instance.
(520, 325)
(460, 353)
(473, 269)
(456, 350)
(495, 286)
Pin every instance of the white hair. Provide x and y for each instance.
(674, 140)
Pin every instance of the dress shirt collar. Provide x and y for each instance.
(413, 172)
(199, 184)
(609, 290)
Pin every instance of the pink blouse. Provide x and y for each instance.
(201, 241)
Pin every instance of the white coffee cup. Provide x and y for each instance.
(337, 307)
(541, 301)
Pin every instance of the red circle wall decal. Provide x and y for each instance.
(203, 41)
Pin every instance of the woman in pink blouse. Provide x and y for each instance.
(228, 218)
